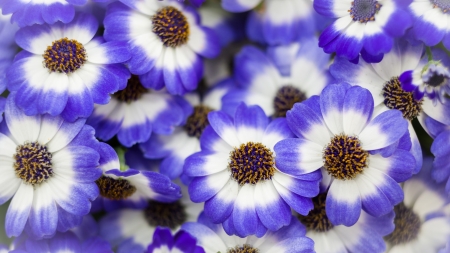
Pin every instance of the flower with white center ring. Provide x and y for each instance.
(63, 69)
(166, 41)
(362, 26)
(338, 136)
(236, 176)
(49, 168)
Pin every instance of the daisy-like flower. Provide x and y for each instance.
(121, 186)
(185, 140)
(166, 42)
(280, 78)
(431, 79)
(26, 13)
(49, 168)
(213, 238)
(338, 135)
(236, 176)
(64, 70)
(362, 26)
(422, 220)
(431, 21)
(181, 242)
(134, 112)
(382, 80)
(366, 235)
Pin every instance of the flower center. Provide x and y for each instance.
(285, 99)
(317, 219)
(444, 5)
(251, 163)
(64, 56)
(407, 225)
(243, 249)
(33, 163)
(115, 189)
(132, 92)
(435, 75)
(396, 98)
(197, 121)
(344, 158)
(364, 10)
(171, 215)
(171, 26)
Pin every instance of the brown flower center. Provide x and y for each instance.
(285, 99)
(171, 215)
(64, 56)
(243, 249)
(171, 26)
(197, 121)
(115, 189)
(407, 225)
(132, 92)
(396, 98)
(33, 163)
(317, 219)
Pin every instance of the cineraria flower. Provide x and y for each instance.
(64, 242)
(181, 242)
(382, 80)
(132, 230)
(431, 21)
(49, 168)
(166, 42)
(279, 79)
(422, 220)
(64, 70)
(8, 48)
(185, 140)
(338, 136)
(236, 176)
(134, 112)
(121, 186)
(366, 235)
(362, 26)
(213, 238)
(26, 13)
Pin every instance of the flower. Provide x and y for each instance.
(236, 176)
(121, 186)
(64, 70)
(185, 140)
(162, 56)
(181, 242)
(362, 26)
(49, 168)
(338, 136)
(212, 237)
(8, 48)
(422, 220)
(279, 78)
(134, 112)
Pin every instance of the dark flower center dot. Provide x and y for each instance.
(444, 5)
(285, 99)
(115, 189)
(396, 98)
(197, 121)
(64, 56)
(171, 26)
(437, 79)
(317, 219)
(364, 10)
(132, 92)
(251, 163)
(171, 215)
(33, 163)
(243, 249)
(407, 225)
(344, 158)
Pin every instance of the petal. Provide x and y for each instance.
(245, 218)
(358, 109)
(19, 210)
(223, 125)
(250, 123)
(273, 212)
(220, 207)
(343, 204)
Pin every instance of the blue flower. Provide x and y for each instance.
(26, 13)
(8, 48)
(64, 70)
(213, 238)
(236, 176)
(362, 26)
(185, 140)
(160, 56)
(181, 242)
(339, 135)
(49, 168)
(279, 78)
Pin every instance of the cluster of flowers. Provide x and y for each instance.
(169, 126)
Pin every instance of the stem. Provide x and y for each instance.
(121, 154)
(429, 54)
